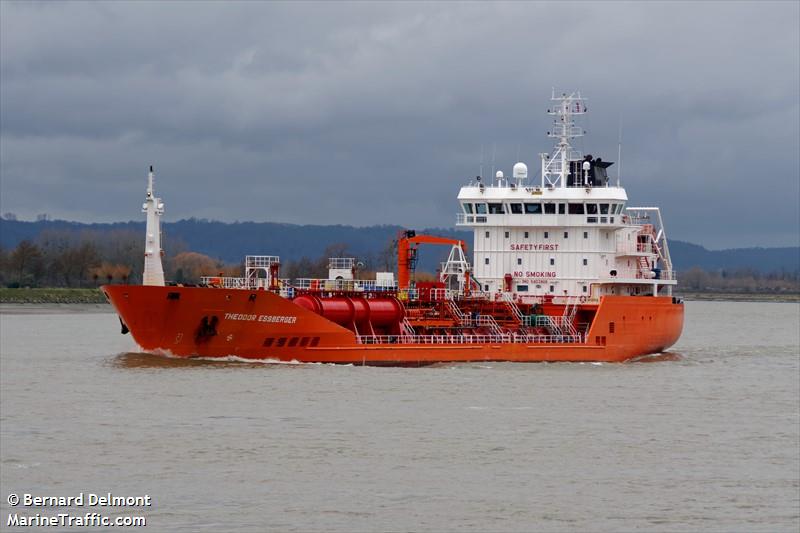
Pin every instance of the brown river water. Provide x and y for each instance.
(703, 438)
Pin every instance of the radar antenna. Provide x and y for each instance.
(555, 166)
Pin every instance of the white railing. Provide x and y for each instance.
(343, 285)
(634, 248)
(260, 261)
(511, 338)
(462, 219)
(341, 263)
(489, 322)
(624, 275)
(443, 294)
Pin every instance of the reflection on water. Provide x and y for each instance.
(705, 440)
(151, 360)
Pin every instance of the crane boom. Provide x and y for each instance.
(407, 243)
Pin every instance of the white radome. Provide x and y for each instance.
(520, 171)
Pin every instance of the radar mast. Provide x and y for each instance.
(555, 166)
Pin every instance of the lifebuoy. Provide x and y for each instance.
(583, 299)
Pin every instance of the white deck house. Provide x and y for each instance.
(570, 234)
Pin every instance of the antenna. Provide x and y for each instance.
(494, 153)
(619, 151)
(480, 173)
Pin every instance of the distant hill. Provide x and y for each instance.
(232, 241)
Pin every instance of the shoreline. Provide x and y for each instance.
(19, 299)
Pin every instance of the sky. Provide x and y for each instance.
(377, 113)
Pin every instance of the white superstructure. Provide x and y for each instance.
(571, 233)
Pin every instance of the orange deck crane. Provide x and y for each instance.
(407, 243)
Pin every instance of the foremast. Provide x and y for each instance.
(154, 207)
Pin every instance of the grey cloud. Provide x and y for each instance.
(375, 113)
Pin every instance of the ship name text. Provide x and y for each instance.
(273, 319)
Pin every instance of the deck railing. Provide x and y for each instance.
(510, 338)
(343, 285)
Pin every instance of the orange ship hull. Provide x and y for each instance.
(265, 326)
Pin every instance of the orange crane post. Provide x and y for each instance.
(407, 243)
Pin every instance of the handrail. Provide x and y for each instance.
(510, 338)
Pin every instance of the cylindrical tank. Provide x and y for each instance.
(338, 309)
(361, 310)
(385, 311)
(343, 310)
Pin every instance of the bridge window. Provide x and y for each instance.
(480, 209)
(552, 288)
(293, 341)
(314, 341)
(591, 209)
(566, 235)
(546, 235)
(516, 209)
(268, 342)
(522, 288)
(281, 342)
(585, 288)
(552, 261)
(591, 220)
(495, 209)
(585, 234)
(603, 209)
(550, 209)
(486, 261)
(468, 209)
(585, 262)
(526, 234)
(533, 209)
(304, 341)
(506, 235)
(487, 234)
(561, 209)
(486, 288)
(519, 260)
(575, 209)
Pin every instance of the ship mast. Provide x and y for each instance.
(154, 207)
(555, 166)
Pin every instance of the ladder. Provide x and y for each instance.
(644, 266)
(456, 312)
(568, 318)
(508, 298)
(491, 323)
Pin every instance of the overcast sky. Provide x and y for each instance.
(375, 113)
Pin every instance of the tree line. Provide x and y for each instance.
(88, 258)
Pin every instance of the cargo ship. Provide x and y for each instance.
(562, 270)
